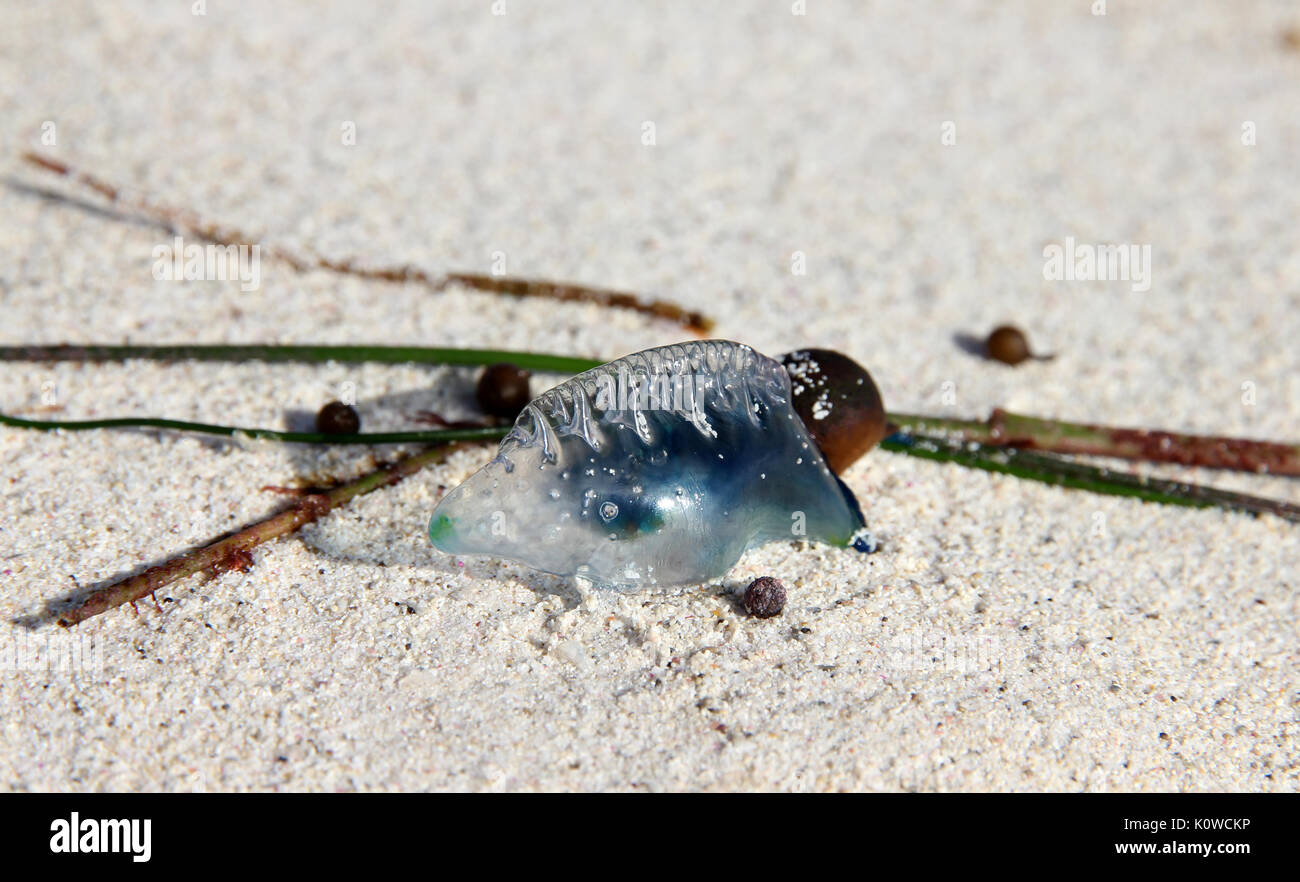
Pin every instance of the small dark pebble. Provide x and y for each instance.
(503, 390)
(765, 597)
(337, 418)
(1008, 345)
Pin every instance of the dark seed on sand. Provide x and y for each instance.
(337, 418)
(765, 597)
(1008, 345)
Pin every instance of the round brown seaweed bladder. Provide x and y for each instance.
(660, 468)
(838, 403)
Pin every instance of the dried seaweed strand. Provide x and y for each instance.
(423, 436)
(1006, 429)
(233, 552)
(306, 353)
(173, 218)
(1055, 470)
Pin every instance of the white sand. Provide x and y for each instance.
(1007, 636)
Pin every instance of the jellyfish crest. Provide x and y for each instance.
(660, 468)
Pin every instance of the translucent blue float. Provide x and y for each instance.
(660, 468)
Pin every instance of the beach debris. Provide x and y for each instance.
(337, 418)
(513, 286)
(660, 468)
(233, 551)
(1008, 344)
(838, 403)
(765, 597)
(1004, 428)
(180, 219)
(503, 390)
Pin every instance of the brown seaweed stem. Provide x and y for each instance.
(512, 286)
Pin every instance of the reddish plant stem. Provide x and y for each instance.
(516, 287)
(235, 551)
(511, 286)
(1006, 429)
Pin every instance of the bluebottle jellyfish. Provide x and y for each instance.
(660, 468)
